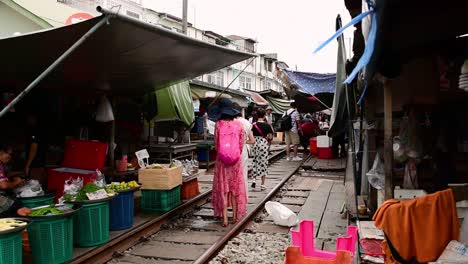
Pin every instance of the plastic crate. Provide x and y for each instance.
(32, 202)
(51, 240)
(121, 211)
(190, 189)
(92, 224)
(160, 201)
(11, 248)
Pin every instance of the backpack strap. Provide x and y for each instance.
(258, 129)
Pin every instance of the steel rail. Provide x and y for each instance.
(215, 248)
(106, 252)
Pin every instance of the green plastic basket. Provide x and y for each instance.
(32, 202)
(160, 201)
(11, 248)
(92, 224)
(51, 240)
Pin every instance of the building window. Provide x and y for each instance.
(133, 14)
(216, 78)
(245, 82)
(268, 85)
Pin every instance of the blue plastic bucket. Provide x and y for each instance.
(122, 210)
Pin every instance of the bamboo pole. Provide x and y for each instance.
(388, 140)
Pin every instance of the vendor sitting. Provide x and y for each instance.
(9, 206)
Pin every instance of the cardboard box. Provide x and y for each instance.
(160, 179)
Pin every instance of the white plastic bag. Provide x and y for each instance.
(376, 175)
(104, 111)
(71, 187)
(100, 179)
(464, 229)
(281, 215)
(32, 188)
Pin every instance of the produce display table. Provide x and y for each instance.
(167, 152)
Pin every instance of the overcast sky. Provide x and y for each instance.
(293, 28)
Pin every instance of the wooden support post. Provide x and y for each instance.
(388, 140)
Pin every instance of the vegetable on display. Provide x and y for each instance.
(7, 224)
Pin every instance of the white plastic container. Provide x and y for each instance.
(406, 194)
(324, 142)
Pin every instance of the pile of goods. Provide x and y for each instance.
(122, 186)
(190, 167)
(50, 210)
(84, 193)
(8, 224)
(31, 188)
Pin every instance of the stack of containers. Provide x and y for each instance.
(81, 160)
(324, 147)
(160, 186)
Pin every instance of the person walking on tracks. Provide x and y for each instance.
(249, 139)
(228, 181)
(290, 125)
(263, 134)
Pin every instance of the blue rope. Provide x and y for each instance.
(361, 98)
(368, 51)
(353, 22)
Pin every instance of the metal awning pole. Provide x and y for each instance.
(53, 65)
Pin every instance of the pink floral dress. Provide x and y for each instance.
(229, 178)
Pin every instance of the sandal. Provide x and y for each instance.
(234, 221)
(262, 187)
(224, 224)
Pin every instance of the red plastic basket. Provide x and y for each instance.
(190, 189)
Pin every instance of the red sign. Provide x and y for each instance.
(78, 17)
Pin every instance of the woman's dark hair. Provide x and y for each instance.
(261, 113)
(293, 105)
(226, 117)
(238, 108)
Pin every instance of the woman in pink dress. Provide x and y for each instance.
(228, 181)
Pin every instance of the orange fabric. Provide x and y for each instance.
(294, 256)
(419, 228)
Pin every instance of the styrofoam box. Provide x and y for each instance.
(405, 194)
(324, 142)
(462, 208)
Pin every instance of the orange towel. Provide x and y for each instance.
(420, 228)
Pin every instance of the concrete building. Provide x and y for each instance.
(258, 75)
(18, 20)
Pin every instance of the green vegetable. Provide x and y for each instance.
(88, 188)
(51, 210)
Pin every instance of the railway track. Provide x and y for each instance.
(188, 234)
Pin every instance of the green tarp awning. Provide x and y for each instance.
(175, 103)
(279, 105)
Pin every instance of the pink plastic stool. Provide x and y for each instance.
(304, 238)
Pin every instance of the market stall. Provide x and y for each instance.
(78, 71)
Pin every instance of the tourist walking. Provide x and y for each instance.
(249, 139)
(228, 181)
(263, 134)
(292, 131)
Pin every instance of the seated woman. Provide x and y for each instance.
(9, 206)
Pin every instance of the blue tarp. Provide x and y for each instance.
(312, 83)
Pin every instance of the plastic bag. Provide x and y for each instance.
(464, 229)
(32, 188)
(376, 175)
(410, 180)
(104, 111)
(281, 215)
(100, 179)
(71, 187)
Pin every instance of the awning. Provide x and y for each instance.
(204, 90)
(312, 83)
(125, 57)
(175, 103)
(279, 105)
(258, 99)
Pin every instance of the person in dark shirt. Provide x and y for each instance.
(35, 151)
(9, 207)
(263, 134)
